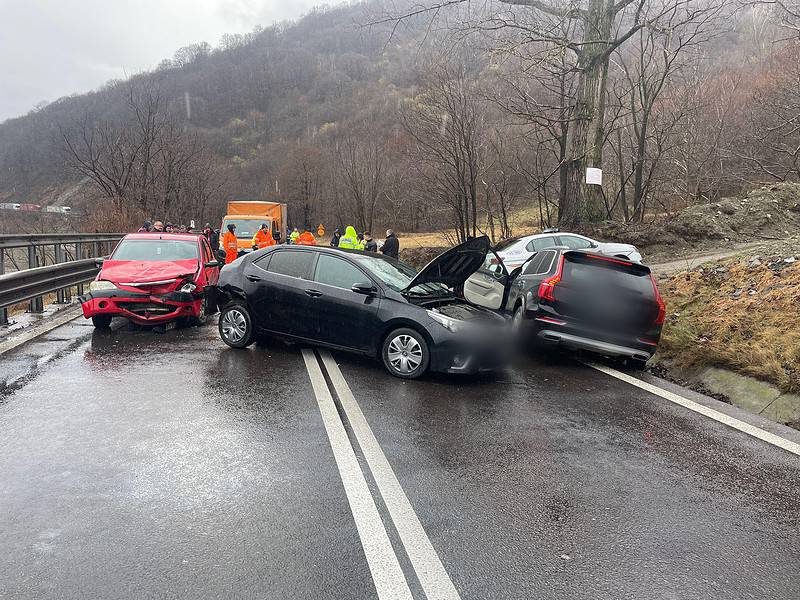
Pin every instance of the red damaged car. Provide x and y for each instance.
(154, 278)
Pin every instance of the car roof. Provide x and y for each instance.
(162, 236)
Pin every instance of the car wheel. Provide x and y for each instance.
(405, 354)
(236, 326)
(102, 321)
(518, 328)
(202, 317)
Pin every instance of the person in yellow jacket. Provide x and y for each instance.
(350, 239)
(230, 244)
(263, 238)
(293, 236)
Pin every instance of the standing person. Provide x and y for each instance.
(158, 227)
(293, 237)
(349, 239)
(145, 228)
(168, 228)
(230, 244)
(370, 245)
(306, 239)
(337, 235)
(263, 238)
(391, 247)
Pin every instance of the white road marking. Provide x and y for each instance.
(29, 333)
(733, 422)
(431, 573)
(387, 574)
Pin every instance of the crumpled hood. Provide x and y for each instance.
(454, 266)
(138, 271)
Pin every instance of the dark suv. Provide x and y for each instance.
(577, 299)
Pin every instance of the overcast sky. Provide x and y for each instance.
(53, 48)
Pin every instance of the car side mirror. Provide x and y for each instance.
(221, 255)
(99, 262)
(212, 264)
(364, 288)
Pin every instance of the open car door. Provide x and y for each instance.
(487, 287)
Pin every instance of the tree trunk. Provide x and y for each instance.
(585, 202)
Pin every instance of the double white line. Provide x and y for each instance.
(384, 565)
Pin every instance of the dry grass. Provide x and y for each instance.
(754, 334)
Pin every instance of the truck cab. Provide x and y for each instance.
(248, 215)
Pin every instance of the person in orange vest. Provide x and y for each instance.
(263, 238)
(306, 239)
(230, 244)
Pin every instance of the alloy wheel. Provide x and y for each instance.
(234, 325)
(405, 354)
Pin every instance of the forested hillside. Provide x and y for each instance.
(386, 114)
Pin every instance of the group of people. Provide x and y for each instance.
(365, 242)
(264, 238)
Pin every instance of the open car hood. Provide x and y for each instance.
(453, 267)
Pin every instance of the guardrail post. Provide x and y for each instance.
(59, 257)
(79, 256)
(36, 305)
(3, 311)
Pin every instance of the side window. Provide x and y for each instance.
(294, 263)
(206, 251)
(548, 259)
(533, 265)
(574, 242)
(337, 272)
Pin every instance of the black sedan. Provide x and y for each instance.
(577, 299)
(365, 303)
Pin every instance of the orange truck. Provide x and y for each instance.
(248, 215)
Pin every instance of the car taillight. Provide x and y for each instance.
(662, 308)
(547, 286)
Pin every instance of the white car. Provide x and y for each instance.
(515, 251)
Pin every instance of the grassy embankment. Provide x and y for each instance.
(739, 316)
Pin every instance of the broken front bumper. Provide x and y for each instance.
(140, 307)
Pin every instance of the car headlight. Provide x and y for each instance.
(453, 325)
(188, 288)
(99, 286)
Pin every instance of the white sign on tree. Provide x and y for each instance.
(594, 176)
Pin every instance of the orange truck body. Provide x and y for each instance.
(248, 215)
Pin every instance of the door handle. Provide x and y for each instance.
(253, 278)
(314, 293)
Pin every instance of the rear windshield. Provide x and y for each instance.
(158, 250)
(600, 272)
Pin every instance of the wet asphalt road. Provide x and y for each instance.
(136, 465)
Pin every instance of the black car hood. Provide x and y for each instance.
(453, 267)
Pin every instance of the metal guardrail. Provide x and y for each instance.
(63, 279)
(50, 239)
(23, 285)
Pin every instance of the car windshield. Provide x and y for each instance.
(245, 228)
(505, 244)
(159, 250)
(398, 275)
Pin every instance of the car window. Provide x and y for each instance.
(548, 258)
(573, 242)
(532, 267)
(537, 244)
(156, 250)
(506, 245)
(337, 272)
(294, 263)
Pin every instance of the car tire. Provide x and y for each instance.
(519, 326)
(102, 321)
(201, 318)
(405, 354)
(236, 327)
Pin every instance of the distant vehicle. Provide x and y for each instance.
(153, 278)
(30, 207)
(365, 303)
(578, 299)
(9, 206)
(248, 215)
(516, 251)
(64, 210)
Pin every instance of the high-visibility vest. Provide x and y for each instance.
(349, 242)
(262, 239)
(231, 246)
